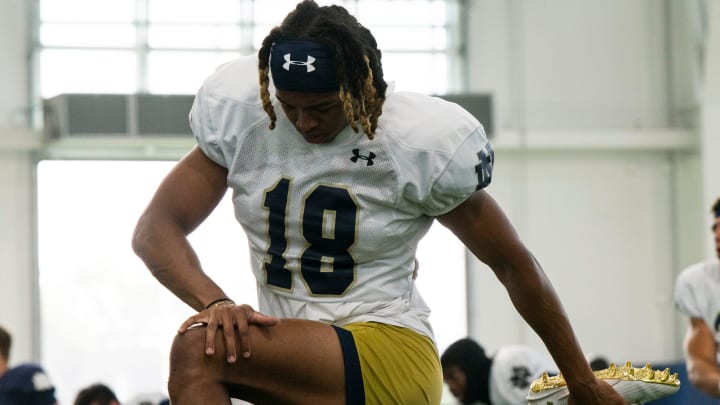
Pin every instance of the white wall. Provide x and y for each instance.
(612, 221)
(600, 224)
(567, 64)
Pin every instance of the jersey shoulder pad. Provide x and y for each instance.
(422, 121)
(236, 80)
(225, 108)
(443, 153)
(689, 293)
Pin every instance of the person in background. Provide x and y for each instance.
(697, 295)
(599, 362)
(96, 394)
(501, 379)
(148, 398)
(335, 179)
(5, 345)
(24, 384)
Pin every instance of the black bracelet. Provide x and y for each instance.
(217, 301)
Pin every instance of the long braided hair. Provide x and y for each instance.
(357, 60)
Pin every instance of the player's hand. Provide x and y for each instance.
(227, 319)
(600, 393)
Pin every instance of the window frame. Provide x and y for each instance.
(454, 52)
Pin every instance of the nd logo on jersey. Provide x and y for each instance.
(484, 168)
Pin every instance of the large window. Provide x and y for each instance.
(170, 46)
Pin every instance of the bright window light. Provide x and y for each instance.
(186, 36)
(117, 46)
(107, 11)
(165, 78)
(104, 317)
(88, 35)
(194, 11)
(85, 71)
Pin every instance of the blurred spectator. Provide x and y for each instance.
(5, 343)
(96, 394)
(599, 362)
(148, 398)
(697, 296)
(503, 378)
(25, 384)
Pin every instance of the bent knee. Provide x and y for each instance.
(188, 351)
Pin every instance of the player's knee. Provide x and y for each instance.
(187, 356)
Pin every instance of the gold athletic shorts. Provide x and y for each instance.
(397, 366)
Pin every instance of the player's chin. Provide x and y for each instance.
(315, 139)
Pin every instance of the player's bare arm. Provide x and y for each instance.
(187, 195)
(483, 227)
(702, 368)
(183, 200)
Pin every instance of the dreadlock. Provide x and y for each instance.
(357, 60)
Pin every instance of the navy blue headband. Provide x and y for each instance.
(717, 211)
(301, 65)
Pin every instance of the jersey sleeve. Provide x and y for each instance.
(225, 108)
(686, 295)
(469, 169)
(204, 130)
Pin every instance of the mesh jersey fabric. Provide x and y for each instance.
(333, 228)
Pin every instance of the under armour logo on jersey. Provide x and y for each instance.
(520, 377)
(308, 64)
(369, 157)
(485, 167)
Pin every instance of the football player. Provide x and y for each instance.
(335, 178)
(697, 295)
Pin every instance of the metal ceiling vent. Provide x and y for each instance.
(116, 115)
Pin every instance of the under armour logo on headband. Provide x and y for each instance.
(302, 65)
(308, 64)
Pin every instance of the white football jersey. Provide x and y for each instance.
(697, 294)
(512, 371)
(333, 228)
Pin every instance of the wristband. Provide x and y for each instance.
(219, 302)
